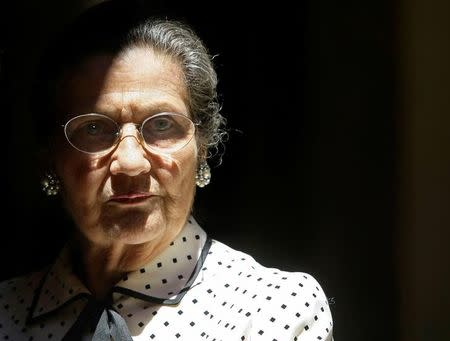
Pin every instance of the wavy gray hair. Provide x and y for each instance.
(178, 41)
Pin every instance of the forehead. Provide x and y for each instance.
(137, 79)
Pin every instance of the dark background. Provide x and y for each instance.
(337, 162)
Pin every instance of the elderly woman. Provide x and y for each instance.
(129, 110)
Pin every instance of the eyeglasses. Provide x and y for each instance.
(162, 133)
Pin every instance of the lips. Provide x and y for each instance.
(130, 198)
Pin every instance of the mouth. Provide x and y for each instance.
(130, 198)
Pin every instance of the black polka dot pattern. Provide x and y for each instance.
(231, 297)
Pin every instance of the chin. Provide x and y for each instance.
(135, 227)
(138, 237)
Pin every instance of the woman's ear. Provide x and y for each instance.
(47, 154)
(44, 160)
(202, 156)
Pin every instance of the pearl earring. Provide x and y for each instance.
(50, 184)
(203, 176)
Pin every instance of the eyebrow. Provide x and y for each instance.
(154, 108)
(139, 115)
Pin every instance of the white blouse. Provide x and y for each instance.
(197, 289)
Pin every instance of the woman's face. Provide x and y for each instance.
(130, 195)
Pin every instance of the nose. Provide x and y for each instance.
(130, 157)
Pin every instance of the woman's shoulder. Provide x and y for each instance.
(21, 284)
(242, 266)
(288, 302)
(240, 261)
(16, 298)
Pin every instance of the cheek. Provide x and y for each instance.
(176, 173)
(176, 178)
(80, 179)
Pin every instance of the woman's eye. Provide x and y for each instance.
(93, 128)
(161, 123)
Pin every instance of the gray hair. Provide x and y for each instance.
(178, 41)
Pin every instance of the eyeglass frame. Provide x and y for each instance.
(139, 129)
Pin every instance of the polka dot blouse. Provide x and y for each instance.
(197, 289)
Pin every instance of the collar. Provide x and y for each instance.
(164, 280)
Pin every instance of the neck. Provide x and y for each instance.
(100, 267)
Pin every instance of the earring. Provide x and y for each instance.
(50, 184)
(203, 176)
